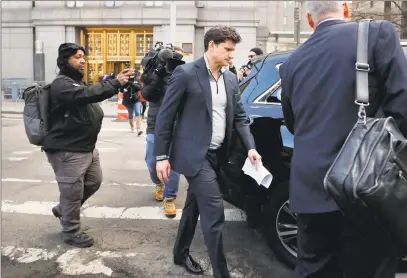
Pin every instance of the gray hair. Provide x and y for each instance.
(317, 9)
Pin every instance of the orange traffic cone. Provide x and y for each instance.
(122, 113)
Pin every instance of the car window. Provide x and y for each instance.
(248, 85)
(265, 78)
(273, 92)
(405, 49)
(254, 78)
(271, 95)
(275, 97)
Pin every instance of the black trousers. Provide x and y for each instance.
(143, 108)
(204, 199)
(329, 247)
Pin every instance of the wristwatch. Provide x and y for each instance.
(162, 157)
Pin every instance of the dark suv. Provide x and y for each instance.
(266, 208)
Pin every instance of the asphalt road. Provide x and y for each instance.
(133, 238)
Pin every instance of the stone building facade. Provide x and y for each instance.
(115, 32)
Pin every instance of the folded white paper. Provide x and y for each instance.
(261, 176)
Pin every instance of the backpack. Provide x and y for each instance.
(36, 113)
(133, 89)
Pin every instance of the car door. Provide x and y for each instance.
(234, 184)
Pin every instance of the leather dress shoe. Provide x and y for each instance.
(190, 265)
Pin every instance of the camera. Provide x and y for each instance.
(162, 59)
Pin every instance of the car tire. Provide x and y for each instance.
(279, 196)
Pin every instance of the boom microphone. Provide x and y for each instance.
(165, 54)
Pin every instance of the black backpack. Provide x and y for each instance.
(36, 113)
(131, 92)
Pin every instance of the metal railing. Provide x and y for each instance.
(12, 89)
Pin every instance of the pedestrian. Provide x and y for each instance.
(132, 102)
(74, 124)
(254, 52)
(318, 93)
(203, 98)
(155, 86)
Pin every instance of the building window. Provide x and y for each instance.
(113, 3)
(73, 4)
(144, 42)
(153, 3)
(187, 47)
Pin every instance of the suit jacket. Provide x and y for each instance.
(189, 95)
(318, 93)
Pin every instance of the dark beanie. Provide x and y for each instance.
(257, 50)
(65, 51)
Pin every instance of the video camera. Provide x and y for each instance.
(162, 59)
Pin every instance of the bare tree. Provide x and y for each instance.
(394, 11)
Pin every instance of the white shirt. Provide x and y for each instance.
(219, 101)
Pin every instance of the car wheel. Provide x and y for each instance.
(280, 225)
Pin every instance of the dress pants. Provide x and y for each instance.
(330, 247)
(204, 199)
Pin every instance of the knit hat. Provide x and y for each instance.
(65, 51)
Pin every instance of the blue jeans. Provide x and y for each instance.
(171, 188)
(134, 109)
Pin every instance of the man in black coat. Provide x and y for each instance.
(153, 91)
(318, 93)
(74, 124)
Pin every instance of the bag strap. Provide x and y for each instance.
(362, 68)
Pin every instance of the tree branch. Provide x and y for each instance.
(398, 6)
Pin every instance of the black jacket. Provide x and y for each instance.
(153, 92)
(130, 93)
(75, 115)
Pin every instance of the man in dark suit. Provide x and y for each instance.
(205, 99)
(318, 83)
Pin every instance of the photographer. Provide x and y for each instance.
(155, 84)
(75, 121)
(132, 102)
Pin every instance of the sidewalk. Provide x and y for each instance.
(10, 107)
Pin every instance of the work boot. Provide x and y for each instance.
(81, 240)
(159, 192)
(169, 207)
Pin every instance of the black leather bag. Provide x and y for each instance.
(368, 177)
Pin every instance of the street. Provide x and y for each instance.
(133, 238)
